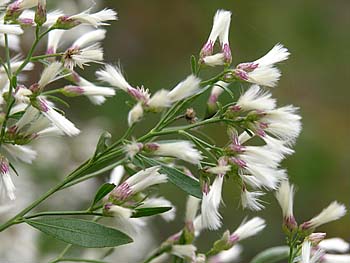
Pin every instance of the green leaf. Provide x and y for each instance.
(57, 99)
(150, 211)
(14, 169)
(178, 178)
(193, 65)
(17, 115)
(272, 255)
(102, 192)
(80, 232)
(102, 143)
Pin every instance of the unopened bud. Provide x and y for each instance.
(65, 22)
(72, 91)
(316, 238)
(40, 14)
(190, 115)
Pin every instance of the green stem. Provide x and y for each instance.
(38, 37)
(159, 252)
(36, 58)
(14, 219)
(52, 91)
(62, 213)
(78, 260)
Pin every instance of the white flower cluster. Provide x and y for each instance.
(28, 113)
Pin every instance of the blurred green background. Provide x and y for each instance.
(153, 41)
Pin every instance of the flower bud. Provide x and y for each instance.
(40, 14)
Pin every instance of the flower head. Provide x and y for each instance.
(262, 71)
(6, 182)
(248, 229)
(220, 29)
(333, 212)
(138, 182)
(182, 150)
(185, 88)
(285, 197)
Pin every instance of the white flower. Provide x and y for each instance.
(138, 182)
(333, 212)
(132, 149)
(82, 57)
(117, 175)
(95, 19)
(50, 74)
(11, 29)
(182, 150)
(21, 152)
(285, 198)
(219, 169)
(192, 205)
(49, 132)
(88, 38)
(284, 123)
(251, 200)
(214, 60)
(330, 258)
(13, 39)
(335, 244)
(22, 4)
(160, 259)
(113, 76)
(95, 99)
(211, 200)
(160, 202)
(257, 165)
(22, 94)
(7, 185)
(52, 17)
(307, 256)
(248, 229)
(227, 256)
(185, 88)
(197, 225)
(220, 29)
(29, 115)
(57, 119)
(90, 90)
(255, 98)
(39, 124)
(135, 114)
(184, 251)
(53, 41)
(262, 71)
(216, 91)
(159, 101)
(118, 211)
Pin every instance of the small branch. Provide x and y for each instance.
(63, 213)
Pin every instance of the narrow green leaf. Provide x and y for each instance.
(193, 65)
(178, 178)
(227, 90)
(57, 99)
(102, 192)
(150, 211)
(272, 255)
(14, 169)
(17, 115)
(102, 143)
(80, 232)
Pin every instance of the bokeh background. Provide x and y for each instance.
(153, 40)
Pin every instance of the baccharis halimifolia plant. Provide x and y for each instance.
(260, 134)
